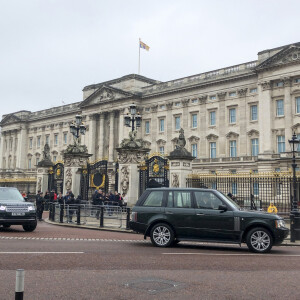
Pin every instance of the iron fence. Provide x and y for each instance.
(110, 216)
(251, 190)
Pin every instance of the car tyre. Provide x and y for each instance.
(30, 227)
(162, 235)
(259, 240)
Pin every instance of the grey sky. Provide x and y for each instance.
(51, 49)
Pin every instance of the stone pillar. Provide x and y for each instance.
(288, 111)
(42, 179)
(129, 159)
(73, 162)
(92, 135)
(265, 123)
(2, 151)
(111, 136)
(101, 136)
(22, 148)
(121, 126)
(180, 163)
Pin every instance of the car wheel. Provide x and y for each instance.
(259, 240)
(29, 227)
(162, 235)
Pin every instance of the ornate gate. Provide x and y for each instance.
(154, 172)
(94, 176)
(56, 177)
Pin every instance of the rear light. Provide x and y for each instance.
(134, 216)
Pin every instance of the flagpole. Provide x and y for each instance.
(139, 55)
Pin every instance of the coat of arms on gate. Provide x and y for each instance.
(155, 168)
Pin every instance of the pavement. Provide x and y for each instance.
(111, 228)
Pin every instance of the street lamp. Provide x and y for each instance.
(133, 118)
(77, 128)
(294, 214)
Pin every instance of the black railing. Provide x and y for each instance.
(251, 191)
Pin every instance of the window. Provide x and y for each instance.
(54, 158)
(232, 115)
(213, 97)
(207, 200)
(155, 198)
(234, 188)
(255, 188)
(147, 109)
(56, 139)
(147, 127)
(65, 138)
(194, 150)
(298, 105)
(162, 107)
(253, 112)
(181, 199)
(212, 150)
(279, 108)
(298, 146)
(280, 143)
(162, 125)
(177, 123)
(297, 80)
(162, 150)
(47, 139)
(38, 141)
(279, 84)
(194, 101)
(177, 103)
(254, 147)
(212, 118)
(30, 143)
(37, 160)
(232, 94)
(29, 163)
(277, 169)
(254, 90)
(232, 148)
(194, 121)
(10, 144)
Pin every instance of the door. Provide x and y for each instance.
(179, 212)
(210, 222)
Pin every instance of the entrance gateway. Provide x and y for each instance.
(154, 172)
(56, 177)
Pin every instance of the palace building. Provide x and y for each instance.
(235, 119)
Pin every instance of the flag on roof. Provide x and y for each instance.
(144, 46)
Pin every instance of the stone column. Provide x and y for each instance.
(265, 119)
(242, 121)
(92, 135)
(288, 111)
(42, 179)
(2, 149)
(121, 126)
(22, 148)
(221, 118)
(101, 136)
(111, 136)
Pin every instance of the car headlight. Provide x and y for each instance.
(2, 207)
(280, 223)
(30, 208)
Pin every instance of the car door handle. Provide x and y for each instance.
(169, 213)
(200, 214)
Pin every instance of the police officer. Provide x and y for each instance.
(39, 201)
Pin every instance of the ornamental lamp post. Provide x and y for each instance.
(133, 118)
(77, 128)
(294, 213)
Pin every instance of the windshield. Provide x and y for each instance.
(9, 194)
(231, 201)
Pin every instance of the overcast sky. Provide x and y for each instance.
(51, 49)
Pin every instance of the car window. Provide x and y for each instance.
(155, 198)
(207, 200)
(182, 199)
(10, 194)
(170, 199)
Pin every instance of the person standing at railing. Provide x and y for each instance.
(272, 209)
(39, 205)
(70, 206)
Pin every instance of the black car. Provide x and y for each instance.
(170, 215)
(15, 211)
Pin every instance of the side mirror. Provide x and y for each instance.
(222, 207)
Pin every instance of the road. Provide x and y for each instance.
(71, 263)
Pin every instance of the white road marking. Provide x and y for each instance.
(232, 254)
(41, 252)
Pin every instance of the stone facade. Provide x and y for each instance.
(236, 118)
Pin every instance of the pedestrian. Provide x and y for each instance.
(60, 198)
(39, 202)
(70, 207)
(272, 209)
(47, 199)
(125, 199)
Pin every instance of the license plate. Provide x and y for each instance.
(18, 214)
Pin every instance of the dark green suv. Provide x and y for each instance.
(15, 211)
(170, 215)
